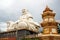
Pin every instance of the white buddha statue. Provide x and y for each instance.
(26, 21)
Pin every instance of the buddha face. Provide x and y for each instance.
(24, 11)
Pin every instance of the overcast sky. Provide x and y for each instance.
(11, 9)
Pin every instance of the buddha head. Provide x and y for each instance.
(24, 11)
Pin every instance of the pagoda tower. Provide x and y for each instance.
(49, 24)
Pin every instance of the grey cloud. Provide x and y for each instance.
(3, 26)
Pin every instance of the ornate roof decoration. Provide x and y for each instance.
(47, 9)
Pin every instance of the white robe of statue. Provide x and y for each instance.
(26, 21)
(9, 25)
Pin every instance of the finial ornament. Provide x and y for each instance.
(47, 9)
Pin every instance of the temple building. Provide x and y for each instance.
(25, 28)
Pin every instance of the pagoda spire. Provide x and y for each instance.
(47, 9)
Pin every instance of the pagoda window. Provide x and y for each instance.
(53, 30)
(51, 19)
(46, 30)
(46, 19)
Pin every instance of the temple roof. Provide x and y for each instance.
(47, 9)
